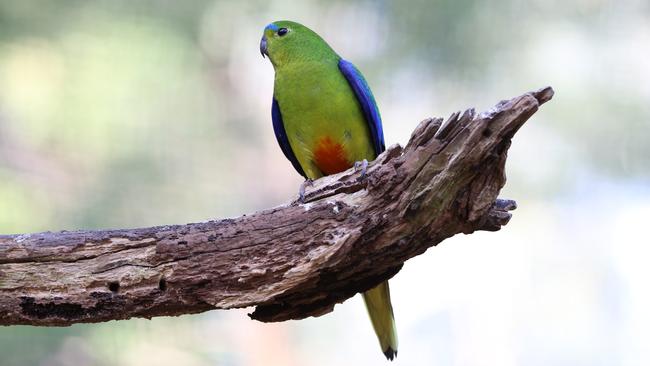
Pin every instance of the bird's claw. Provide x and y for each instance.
(303, 187)
(363, 164)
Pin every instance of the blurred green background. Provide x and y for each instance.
(134, 113)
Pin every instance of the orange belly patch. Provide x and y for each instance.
(330, 156)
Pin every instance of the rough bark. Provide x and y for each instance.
(291, 261)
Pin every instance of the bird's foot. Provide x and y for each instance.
(301, 191)
(363, 165)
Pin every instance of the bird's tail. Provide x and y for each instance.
(381, 315)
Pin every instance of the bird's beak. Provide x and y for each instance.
(263, 46)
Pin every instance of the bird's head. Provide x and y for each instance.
(286, 42)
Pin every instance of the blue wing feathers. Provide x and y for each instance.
(281, 136)
(367, 102)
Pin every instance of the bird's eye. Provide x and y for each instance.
(282, 31)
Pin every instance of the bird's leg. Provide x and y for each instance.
(301, 190)
(363, 164)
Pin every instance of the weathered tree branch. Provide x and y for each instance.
(289, 262)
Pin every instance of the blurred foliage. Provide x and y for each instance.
(132, 113)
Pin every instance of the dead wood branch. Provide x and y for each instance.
(289, 262)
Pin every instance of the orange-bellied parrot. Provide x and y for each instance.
(325, 119)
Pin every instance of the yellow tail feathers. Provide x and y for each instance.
(381, 315)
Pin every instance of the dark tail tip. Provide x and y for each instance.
(390, 354)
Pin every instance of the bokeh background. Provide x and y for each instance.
(134, 113)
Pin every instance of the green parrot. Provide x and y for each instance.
(326, 120)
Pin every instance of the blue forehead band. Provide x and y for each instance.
(272, 27)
